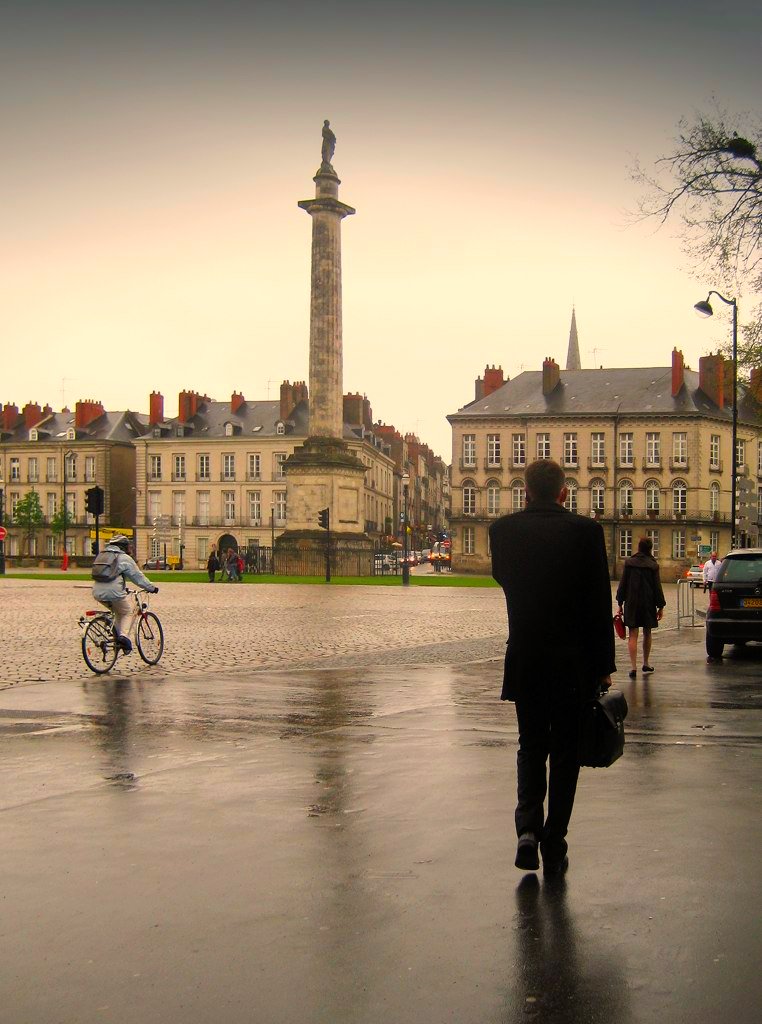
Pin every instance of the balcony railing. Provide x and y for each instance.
(652, 465)
(639, 515)
(599, 465)
(679, 465)
(493, 463)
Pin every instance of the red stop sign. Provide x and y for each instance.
(3, 533)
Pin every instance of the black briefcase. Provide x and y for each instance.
(601, 729)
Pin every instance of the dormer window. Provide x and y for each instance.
(280, 427)
(33, 436)
(228, 430)
(71, 434)
(157, 431)
(180, 432)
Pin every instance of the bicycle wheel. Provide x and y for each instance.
(99, 647)
(150, 637)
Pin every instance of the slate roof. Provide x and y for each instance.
(628, 391)
(111, 426)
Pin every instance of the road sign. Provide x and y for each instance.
(3, 533)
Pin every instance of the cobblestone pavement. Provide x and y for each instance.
(262, 627)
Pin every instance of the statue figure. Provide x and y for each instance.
(329, 143)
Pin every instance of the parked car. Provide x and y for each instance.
(734, 615)
(695, 575)
(155, 563)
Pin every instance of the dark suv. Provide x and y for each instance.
(735, 603)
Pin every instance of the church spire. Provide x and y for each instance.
(572, 356)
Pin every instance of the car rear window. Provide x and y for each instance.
(742, 569)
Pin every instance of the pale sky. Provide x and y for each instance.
(155, 152)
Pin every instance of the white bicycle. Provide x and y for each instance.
(99, 637)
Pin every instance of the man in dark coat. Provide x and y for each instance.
(553, 569)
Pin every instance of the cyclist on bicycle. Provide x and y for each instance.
(111, 568)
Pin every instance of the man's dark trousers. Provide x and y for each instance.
(548, 730)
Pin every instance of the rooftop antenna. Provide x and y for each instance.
(64, 382)
(595, 352)
(269, 382)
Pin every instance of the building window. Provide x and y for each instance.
(740, 453)
(493, 498)
(228, 467)
(280, 428)
(469, 540)
(70, 468)
(678, 544)
(714, 538)
(90, 468)
(571, 495)
(204, 467)
(50, 546)
(518, 496)
(51, 471)
(156, 551)
(653, 536)
(570, 450)
(228, 430)
(714, 498)
(469, 499)
(543, 446)
(653, 449)
(626, 451)
(625, 542)
(154, 505)
(178, 507)
(255, 508)
(13, 499)
(255, 466)
(519, 447)
(493, 449)
(653, 496)
(279, 471)
(32, 471)
(597, 495)
(179, 467)
(679, 497)
(626, 491)
(279, 498)
(469, 449)
(714, 451)
(154, 467)
(52, 504)
(203, 501)
(228, 507)
(15, 470)
(71, 505)
(202, 548)
(598, 449)
(680, 449)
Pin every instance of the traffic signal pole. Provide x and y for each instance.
(324, 521)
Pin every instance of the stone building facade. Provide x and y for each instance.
(60, 455)
(646, 451)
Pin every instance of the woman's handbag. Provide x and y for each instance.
(601, 729)
(619, 627)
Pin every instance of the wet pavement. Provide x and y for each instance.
(329, 839)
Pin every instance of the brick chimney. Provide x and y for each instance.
(353, 409)
(493, 379)
(367, 413)
(755, 384)
(187, 405)
(678, 372)
(286, 400)
(10, 417)
(32, 414)
(85, 412)
(156, 408)
(478, 388)
(236, 401)
(48, 410)
(551, 375)
(712, 378)
(299, 392)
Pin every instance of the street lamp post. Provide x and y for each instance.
(64, 512)
(405, 562)
(706, 310)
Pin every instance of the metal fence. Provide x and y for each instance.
(686, 604)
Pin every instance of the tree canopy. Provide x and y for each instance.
(28, 515)
(712, 182)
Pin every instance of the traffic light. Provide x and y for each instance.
(324, 518)
(94, 501)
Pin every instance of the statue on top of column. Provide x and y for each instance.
(329, 143)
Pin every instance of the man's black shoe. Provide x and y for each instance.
(527, 858)
(554, 868)
(125, 644)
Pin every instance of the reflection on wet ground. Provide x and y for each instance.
(336, 845)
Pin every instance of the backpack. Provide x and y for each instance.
(105, 567)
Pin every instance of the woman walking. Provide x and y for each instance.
(641, 594)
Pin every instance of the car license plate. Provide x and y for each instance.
(751, 602)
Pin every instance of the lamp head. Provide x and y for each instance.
(703, 308)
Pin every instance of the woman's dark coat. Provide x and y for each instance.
(640, 591)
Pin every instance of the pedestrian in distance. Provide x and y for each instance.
(231, 565)
(212, 564)
(641, 594)
(560, 653)
(711, 568)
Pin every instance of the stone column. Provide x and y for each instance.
(326, 355)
